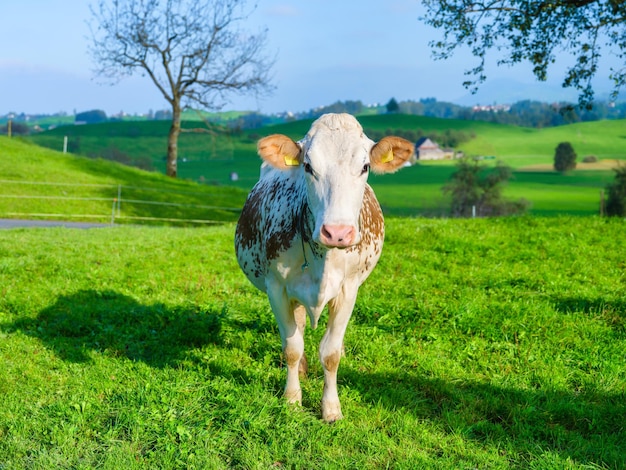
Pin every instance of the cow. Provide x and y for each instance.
(311, 231)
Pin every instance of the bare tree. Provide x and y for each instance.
(192, 50)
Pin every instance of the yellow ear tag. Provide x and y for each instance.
(387, 157)
(291, 161)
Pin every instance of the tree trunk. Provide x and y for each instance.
(172, 142)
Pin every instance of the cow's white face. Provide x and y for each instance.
(334, 158)
(336, 164)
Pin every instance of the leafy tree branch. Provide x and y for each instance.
(534, 32)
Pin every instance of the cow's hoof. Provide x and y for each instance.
(330, 419)
(294, 397)
(331, 413)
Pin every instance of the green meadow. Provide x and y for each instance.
(35, 181)
(491, 344)
(485, 343)
(212, 156)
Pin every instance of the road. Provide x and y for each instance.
(17, 223)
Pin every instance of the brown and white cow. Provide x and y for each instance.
(310, 233)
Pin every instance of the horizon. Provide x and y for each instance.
(494, 107)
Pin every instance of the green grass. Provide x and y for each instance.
(474, 344)
(213, 156)
(415, 191)
(209, 157)
(97, 183)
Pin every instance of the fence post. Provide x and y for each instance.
(473, 212)
(113, 212)
(119, 200)
(65, 144)
(9, 125)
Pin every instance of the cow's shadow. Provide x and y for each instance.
(575, 425)
(111, 323)
(117, 325)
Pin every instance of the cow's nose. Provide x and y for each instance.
(339, 236)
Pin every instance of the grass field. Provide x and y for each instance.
(213, 157)
(85, 189)
(516, 146)
(491, 344)
(495, 343)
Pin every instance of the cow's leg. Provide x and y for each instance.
(331, 348)
(292, 340)
(299, 314)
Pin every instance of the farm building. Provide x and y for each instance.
(426, 149)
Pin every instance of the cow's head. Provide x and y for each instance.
(335, 158)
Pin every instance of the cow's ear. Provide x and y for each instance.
(390, 153)
(279, 151)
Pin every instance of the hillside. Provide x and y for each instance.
(417, 190)
(216, 154)
(36, 180)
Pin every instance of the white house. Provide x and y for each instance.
(426, 149)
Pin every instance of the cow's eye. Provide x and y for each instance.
(366, 168)
(308, 168)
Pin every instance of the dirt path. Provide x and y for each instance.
(17, 223)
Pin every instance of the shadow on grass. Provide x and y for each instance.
(586, 427)
(119, 326)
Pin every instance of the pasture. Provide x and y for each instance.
(212, 157)
(35, 180)
(492, 344)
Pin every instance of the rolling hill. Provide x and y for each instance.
(216, 152)
(38, 182)
(214, 155)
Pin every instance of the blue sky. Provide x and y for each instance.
(327, 50)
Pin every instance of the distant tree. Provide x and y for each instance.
(616, 194)
(17, 128)
(192, 50)
(115, 154)
(350, 107)
(392, 106)
(534, 31)
(525, 113)
(464, 188)
(374, 134)
(73, 145)
(441, 109)
(564, 157)
(91, 117)
(411, 107)
(353, 107)
(452, 138)
(250, 121)
(163, 115)
(475, 187)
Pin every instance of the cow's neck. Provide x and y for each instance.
(305, 232)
